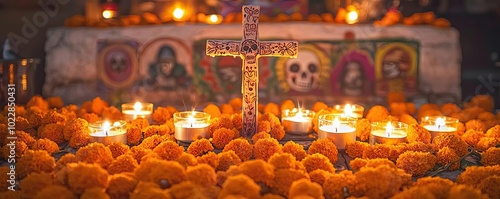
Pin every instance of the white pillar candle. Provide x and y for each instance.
(106, 133)
(388, 133)
(439, 125)
(297, 121)
(339, 128)
(191, 125)
(132, 111)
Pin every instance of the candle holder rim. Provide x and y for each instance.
(434, 118)
(98, 124)
(341, 115)
(196, 115)
(396, 124)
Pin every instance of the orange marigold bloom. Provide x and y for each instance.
(77, 132)
(94, 193)
(265, 148)
(377, 113)
(134, 134)
(118, 149)
(200, 147)
(236, 103)
(151, 130)
(64, 160)
(325, 147)
(277, 132)
(406, 161)
(46, 145)
(377, 151)
(153, 141)
(4, 183)
(485, 143)
(95, 153)
(221, 137)
(380, 182)
(227, 159)
(355, 150)
(284, 179)
(363, 129)
(39, 102)
(124, 163)
(142, 123)
(213, 110)
(282, 161)
(139, 152)
(53, 117)
(149, 190)
(465, 191)
(450, 108)
(260, 135)
(25, 137)
(210, 158)
(494, 132)
(438, 186)
(237, 120)
(169, 150)
(490, 186)
(121, 185)
(112, 113)
(55, 102)
(258, 170)
(491, 157)
(226, 109)
(418, 133)
(415, 192)
(317, 161)
(287, 104)
(408, 119)
(219, 122)
(34, 117)
(201, 174)
(90, 117)
(395, 97)
(21, 148)
(319, 176)
(317, 106)
(472, 137)
(477, 125)
(445, 156)
(22, 123)
(35, 161)
(154, 170)
(82, 176)
(452, 141)
(52, 132)
(305, 187)
(398, 108)
(272, 108)
(334, 186)
(271, 118)
(486, 102)
(241, 147)
(189, 189)
(161, 115)
(55, 191)
(295, 149)
(186, 160)
(240, 185)
(264, 126)
(358, 163)
(34, 183)
(473, 175)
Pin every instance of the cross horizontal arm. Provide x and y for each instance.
(223, 48)
(279, 48)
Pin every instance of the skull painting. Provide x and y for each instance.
(118, 62)
(250, 48)
(302, 74)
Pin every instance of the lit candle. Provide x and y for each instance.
(178, 14)
(340, 128)
(352, 17)
(350, 110)
(104, 132)
(109, 10)
(297, 121)
(132, 111)
(388, 133)
(214, 19)
(191, 125)
(438, 125)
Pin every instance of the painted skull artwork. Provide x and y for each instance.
(303, 74)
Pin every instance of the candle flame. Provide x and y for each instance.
(352, 17)
(348, 110)
(440, 122)
(178, 13)
(336, 124)
(107, 14)
(389, 129)
(105, 127)
(137, 107)
(214, 18)
(191, 119)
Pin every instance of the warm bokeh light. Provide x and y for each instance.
(352, 17)
(178, 14)
(107, 14)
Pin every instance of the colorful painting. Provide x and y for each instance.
(117, 63)
(396, 68)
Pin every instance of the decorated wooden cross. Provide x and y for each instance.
(250, 49)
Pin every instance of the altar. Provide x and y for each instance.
(77, 61)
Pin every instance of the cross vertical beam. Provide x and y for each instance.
(250, 49)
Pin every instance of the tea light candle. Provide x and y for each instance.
(349, 110)
(132, 111)
(105, 133)
(214, 19)
(191, 125)
(297, 121)
(438, 125)
(340, 128)
(388, 132)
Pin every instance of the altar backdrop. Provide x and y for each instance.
(167, 63)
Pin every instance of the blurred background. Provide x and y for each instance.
(478, 22)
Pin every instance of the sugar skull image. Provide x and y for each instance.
(305, 73)
(396, 65)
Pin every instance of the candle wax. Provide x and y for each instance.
(443, 129)
(110, 133)
(396, 134)
(298, 119)
(339, 129)
(191, 125)
(133, 112)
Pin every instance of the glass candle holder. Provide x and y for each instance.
(339, 128)
(388, 132)
(297, 121)
(350, 110)
(191, 125)
(439, 125)
(106, 132)
(132, 111)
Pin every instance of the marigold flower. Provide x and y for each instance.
(187, 189)
(490, 186)
(169, 150)
(377, 113)
(121, 185)
(55, 191)
(64, 160)
(258, 170)
(153, 141)
(304, 187)
(380, 182)
(317, 106)
(52, 132)
(210, 158)
(227, 109)
(219, 122)
(473, 175)
(53, 117)
(39, 102)
(227, 159)
(446, 155)
(35, 161)
(200, 147)
(34, 183)
(334, 186)
(221, 137)
(477, 125)
(319, 176)
(277, 132)
(485, 143)
(154, 170)
(122, 164)
(406, 161)
(325, 147)
(295, 149)
(465, 191)
(201, 174)
(359, 163)
(494, 132)
(355, 150)
(491, 157)
(46, 145)
(77, 132)
(240, 185)
(241, 147)
(95, 153)
(272, 108)
(452, 141)
(284, 178)
(363, 129)
(408, 119)
(265, 148)
(377, 151)
(148, 190)
(438, 186)
(213, 110)
(90, 117)
(282, 161)
(236, 103)
(82, 176)
(317, 161)
(450, 108)
(161, 115)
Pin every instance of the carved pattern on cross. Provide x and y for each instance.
(250, 49)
